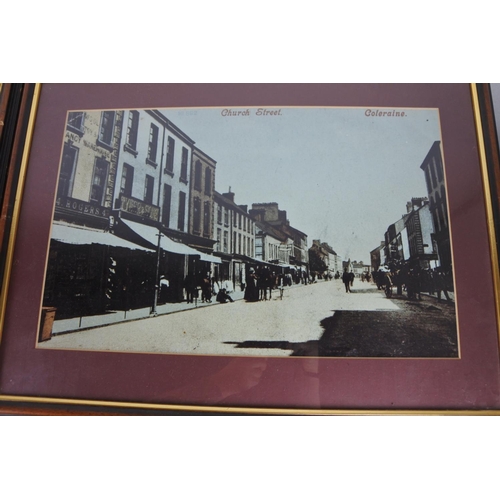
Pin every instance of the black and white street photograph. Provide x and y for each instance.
(260, 231)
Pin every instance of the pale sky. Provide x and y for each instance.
(343, 177)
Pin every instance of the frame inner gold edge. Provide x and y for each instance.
(281, 411)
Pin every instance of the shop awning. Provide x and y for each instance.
(261, 262)
(150, 234)
(74, 235)
(210, 258)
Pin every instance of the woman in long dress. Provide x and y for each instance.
(251, 290)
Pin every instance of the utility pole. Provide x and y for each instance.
(154, 311)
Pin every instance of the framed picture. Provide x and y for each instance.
(274, 248)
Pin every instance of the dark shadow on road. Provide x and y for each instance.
(365, 290)
(417, 330)
(308, 348)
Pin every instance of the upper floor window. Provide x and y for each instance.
(196, 215)
(99, 178)
(148, 189)
(206, 218)
(68, 166)
(184, 164)
(132, 129)
(182, 211)
(219, 234)
(127, 180)
(208, 181)
(75, 120)
(167, 201)
(197, 176)
(106, 128)
(219, 214)
(153, 143)
(226, 216)
(170, 155)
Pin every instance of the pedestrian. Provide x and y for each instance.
(164, 289)
(346, 279)
(251, 290)
(206, 289)
(190, 287)
(440, 284)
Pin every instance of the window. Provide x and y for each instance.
(234, 242)
(219, 214)
(219, 236)
(226, 217)
(439, 167)
(197, 176)
(208, 181)
(75, 120)
(196, 215)
(244, 245)
(148, 189)
(239, 221)
(184, 165)
(127, 181)
(239, 244)
(106, 129)
(428, 179)
(182, 211)
(167, 201)
(206, 218)
(68, 165)
(169, 167)
(433, 174)
(225, 242)
(132, 129)
(153, 144)
(99, 180)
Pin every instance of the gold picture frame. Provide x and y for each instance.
(467, 128)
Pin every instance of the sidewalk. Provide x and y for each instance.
(112, 317)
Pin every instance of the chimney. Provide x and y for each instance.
(229, 196)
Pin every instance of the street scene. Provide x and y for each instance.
(330, 237)
(316, 320)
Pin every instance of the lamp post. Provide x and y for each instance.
(154, 311)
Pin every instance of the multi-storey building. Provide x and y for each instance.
(434, 178)
(234, 231)
(127, 175)
(396, 242)
(82, 249)
(322, 250)
(201, 197)
(410, 239)
(272, 215)
(419, 230)
(272, 245)
(162, 179)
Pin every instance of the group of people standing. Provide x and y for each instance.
(261, 281)
(415, 280)
(258, 284)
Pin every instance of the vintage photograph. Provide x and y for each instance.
(293, 231)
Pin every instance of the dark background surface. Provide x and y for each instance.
(469, 383)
